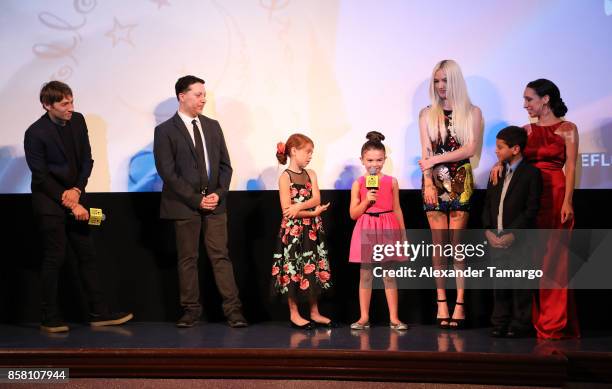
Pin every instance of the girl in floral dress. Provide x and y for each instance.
(301, 267)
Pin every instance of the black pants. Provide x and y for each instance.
(512, 298)
(57, 232)
(213, 229)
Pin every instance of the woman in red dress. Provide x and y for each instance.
(552, 146)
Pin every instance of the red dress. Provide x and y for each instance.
(554, 311)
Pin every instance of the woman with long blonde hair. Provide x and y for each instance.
(451, 132)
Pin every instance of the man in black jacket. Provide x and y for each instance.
(510, 206)
(58, 153)
(192, 159)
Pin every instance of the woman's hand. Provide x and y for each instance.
(425, 164)
(431, 195)
(567, 212)
(496, 173)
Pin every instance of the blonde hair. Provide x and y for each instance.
(457, 96)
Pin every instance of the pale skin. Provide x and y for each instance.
(374, 158)
(298, 160)
(438, 221)
(538, 107)
(60, 112)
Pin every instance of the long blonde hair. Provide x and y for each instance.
(457, 96)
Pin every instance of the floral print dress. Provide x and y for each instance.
(301, 266)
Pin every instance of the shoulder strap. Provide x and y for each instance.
(289, 174)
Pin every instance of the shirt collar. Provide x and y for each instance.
(187, 120)
(511, 168)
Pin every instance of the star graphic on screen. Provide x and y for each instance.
(161, 3)
(121, 33)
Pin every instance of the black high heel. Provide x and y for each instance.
(457, 324)
(441, 320)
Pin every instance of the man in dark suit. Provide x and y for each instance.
(58, 153)
(192, 159)
(510, 206)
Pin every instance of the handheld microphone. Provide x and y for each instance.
(372, 181)
(96, 216)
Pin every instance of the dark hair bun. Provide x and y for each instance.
(375, 136)
(559, 109)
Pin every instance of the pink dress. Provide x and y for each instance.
(378, 224)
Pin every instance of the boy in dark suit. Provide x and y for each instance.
(58, 153)
(511, 205)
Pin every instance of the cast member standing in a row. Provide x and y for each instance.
(380, 221)
(451, 132)
(301, 267)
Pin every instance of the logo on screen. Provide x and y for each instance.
(596, 160)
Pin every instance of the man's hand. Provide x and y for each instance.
(70, 198)
(210, 202)
(80, 213)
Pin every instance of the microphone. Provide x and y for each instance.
(372, 181)
(96, 216)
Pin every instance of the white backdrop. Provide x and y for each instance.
(333, 69)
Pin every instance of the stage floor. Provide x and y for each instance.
(275, 350)
(275, 335)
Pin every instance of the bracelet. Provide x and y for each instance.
(77, 190)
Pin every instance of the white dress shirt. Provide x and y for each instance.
(188, 123)
(509, 173)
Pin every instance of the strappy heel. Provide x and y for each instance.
(457, 324)
(441, 320)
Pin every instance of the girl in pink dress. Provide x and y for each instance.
(380, 220)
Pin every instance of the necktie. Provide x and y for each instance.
(199, 146)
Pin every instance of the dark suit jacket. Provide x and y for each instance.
(47, 160)
(522, 200)
(177, 165)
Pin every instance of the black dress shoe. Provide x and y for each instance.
(498, 332)
(519, 333)
(187, 320)
(307, 326)
(329, 324)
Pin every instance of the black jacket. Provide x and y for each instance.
(46, 157)
(176, 162)
(522, 200)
